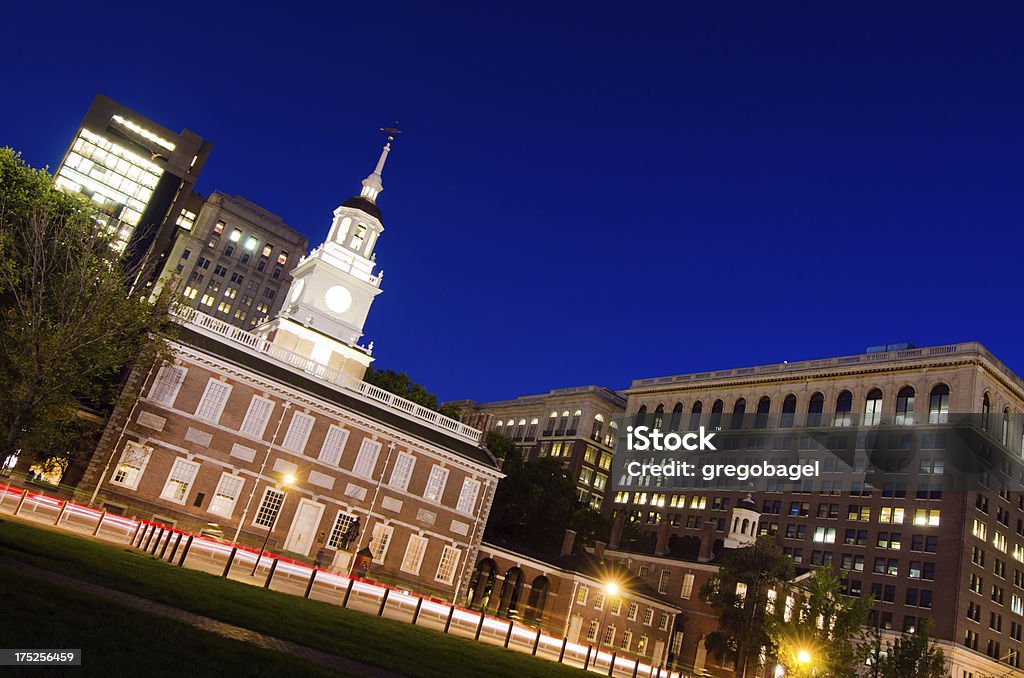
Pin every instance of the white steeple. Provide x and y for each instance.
(332, 288)
(372, 185)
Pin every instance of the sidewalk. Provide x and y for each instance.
(231, 631)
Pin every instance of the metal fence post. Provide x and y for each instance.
(479, 627)
(231, 559)
(156, 544)
(586, 662)
(448, 624)
(61, 514)
(177, 543)
(348, 592)
(184, 552)
(149, 537)
(536, 642)
(270, 574)
(561, 655)
(309, 585)
(636, 667)
(383, 602)
(21, 502)
(508, 634)
(99, 523)
(611, 664)
(167, 543)
(416, 612)
(138, 530)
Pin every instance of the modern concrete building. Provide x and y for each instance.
(233, 260)
(575, 424)
(213, 437)
(139, 174)
(924, 548)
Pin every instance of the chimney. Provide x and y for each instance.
(618, 523)
(661, 545)
(568, 542)
(599, 549)
(707, 543)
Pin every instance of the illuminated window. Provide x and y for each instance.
(186, 220)
(236, 235)
(905, 406)
(873, 408)
(449, 562)
(179, 480)
(226, 494)
(132, 465)
(926, 517)
(219, 227)
(269, 506)
(938, 405)
(340, 529)
(282, 258)
(267, 250)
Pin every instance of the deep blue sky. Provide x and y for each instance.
(589, 193)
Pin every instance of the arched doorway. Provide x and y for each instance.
(482, 584)
(538, 597)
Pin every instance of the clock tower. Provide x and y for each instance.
(333, 287)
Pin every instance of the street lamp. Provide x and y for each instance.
(287, 482)
(804, 657)
(611, 590)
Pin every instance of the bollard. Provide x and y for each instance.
(309, 585)
(448, 624)
(561, 655)
(156, 544)
(177, 543)
(636, 667)
(21, 502)
(184, 553)
(586, 662)
(61, 514)
(138, 531)
(536, 643)
(659, 671)
(231, 559)
(99, 524)
(383, 603)
(270, 574)
(167, 543)
(479, 627)
(149, 538)
(416, 613)
(611, 664)
(348, 592)
(508, 634)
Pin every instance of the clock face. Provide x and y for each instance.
(338, 299)
(297, 288)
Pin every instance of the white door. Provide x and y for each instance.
(302, 534)
(574, 628)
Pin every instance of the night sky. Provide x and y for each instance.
(595, 192)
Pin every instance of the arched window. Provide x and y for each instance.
(716, 414)
(659, 416)
(905, 406)
(873, 408)
(986, 410)
(531, 433)
(738, 410)
(677, 417)
(598, 430)
(563, 421)
(938, 405)
(575, 424)
(815, 408)
(788, 411)
(641, 415)
(511, 589)
(695, 413)
(521, 429)
(764, 406)
(537, 599)
(844, 408)
(552, 420)
(1004, 433)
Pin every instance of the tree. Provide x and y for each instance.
(740, 593)
(535, 503)
(911, 655)
(824, 624)
(68, 326)
(402, 385)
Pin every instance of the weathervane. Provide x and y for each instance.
(391, 131)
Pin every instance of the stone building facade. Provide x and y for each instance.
(578, 425)
(953, 556)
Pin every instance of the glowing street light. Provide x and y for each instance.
(611, 590)
(287, 482)
(804, 657)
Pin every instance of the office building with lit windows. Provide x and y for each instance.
(233, 260)
(139, 174)
(923, 546)
(576, 425)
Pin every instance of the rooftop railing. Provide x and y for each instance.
(331, 376)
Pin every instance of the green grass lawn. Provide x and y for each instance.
(120, 641)
(392, 645)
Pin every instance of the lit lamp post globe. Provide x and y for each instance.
(611, 589)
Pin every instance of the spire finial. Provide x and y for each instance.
(373, 185)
